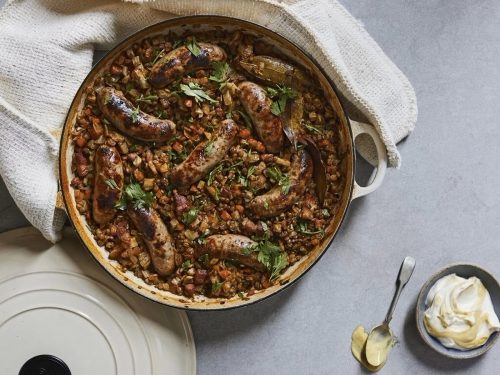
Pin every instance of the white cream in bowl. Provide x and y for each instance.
(460, 313)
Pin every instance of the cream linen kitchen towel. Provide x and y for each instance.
(46, 49)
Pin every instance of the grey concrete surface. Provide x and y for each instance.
(442, 206)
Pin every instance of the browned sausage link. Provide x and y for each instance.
(205, 156)
(108, 183)
(275, 201)
(157, 238)
(181, 61)
(258, 105)
(231, 246)
(131, 121)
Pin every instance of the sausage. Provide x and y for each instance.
(181, 61)
(275, 201)
(108, 183)
(205, 156)
(231, 246)
(157, 238)
(131, 121)
(258, 105)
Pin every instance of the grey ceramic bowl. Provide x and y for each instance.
(466, 271)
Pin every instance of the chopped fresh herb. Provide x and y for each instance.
(266, 205)
(107, 99)
(193, 47)
(325, 212)
(213, 173)
(221, 71)
(216, 286)
(203, 259)
(280, 96)
(186, 265)
(229, 115)
(280, 178)
(303, 228)
(161, 114)
(148, 99)
(241, 295)
(243, 180)
(111, 183)
(194, 90)
(189, 216)
(129, 86)
(134, 115)
(191, 119)
(265, 227)
(246, 119)
(209, 146)
(313, 128)
(133, 194)
(270, 255)
(201, 239)
(217, 193)
(177, 43)
(177, 157)
(158, 54)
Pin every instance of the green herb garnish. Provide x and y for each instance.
(189, 216)
(161, 114)
(221, 71)
(129, 86)
(213, 173)
(216, 286)
(303, 228)
(186, 264)
(148, 99)
(209, 146)
(194, 90)
(158, 54)
(202, 239)
(280, 96)
(246, 119)
(280, 178)
(270, 255)
(112, 184)
(193, 47)
(203, 259)
(134, 115)
(133, 194)
(313, 128)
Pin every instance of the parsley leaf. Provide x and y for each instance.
(280, 178)
(186, 265)
(221, 71)
(313, 128)
(216, 286)
(148, 99)
(246, 119)
(112, 184)
(194, 90)
(134, 195)
(302, 228)
(134, 115)
(280, 96)
(270, 255)
(158, 54)
(189, 216)
(193, 47)
(209, 146)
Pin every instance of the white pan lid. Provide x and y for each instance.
(61, 313)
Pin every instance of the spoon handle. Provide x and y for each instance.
(404, 275)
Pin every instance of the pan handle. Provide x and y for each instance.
(361, 128)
